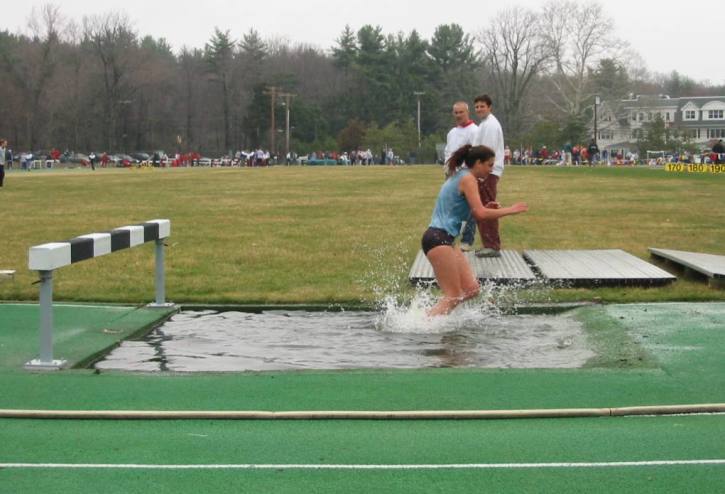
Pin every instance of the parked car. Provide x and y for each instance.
(140, 156)
(79, 159)
(113, 160)
(127, 160)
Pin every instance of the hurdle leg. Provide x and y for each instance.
(46, 362)
(160, 278)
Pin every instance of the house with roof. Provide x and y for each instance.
(699, 120)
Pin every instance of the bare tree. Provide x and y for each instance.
(32, 64)
(69, 90)
(514, 53)
(112, 40)
(577, 36)
(190, 66)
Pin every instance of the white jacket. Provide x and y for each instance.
(490, 134)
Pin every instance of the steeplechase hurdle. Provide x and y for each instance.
(46, 258)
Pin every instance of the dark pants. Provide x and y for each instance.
(489, 228)
(2, 174)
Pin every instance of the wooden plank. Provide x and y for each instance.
(596, 267)
(421, 270)
(711, 265)
(7, 274)
(508, 268)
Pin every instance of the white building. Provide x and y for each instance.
(700, 119)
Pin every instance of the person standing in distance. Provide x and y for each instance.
(457, 200)
(463, 133)
(718, 149)
(3, 148)
(489, 134)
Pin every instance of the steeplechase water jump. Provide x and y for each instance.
(479, 257)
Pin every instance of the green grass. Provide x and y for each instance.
(337, 234)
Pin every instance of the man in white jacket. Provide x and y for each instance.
(489, 134)
(463, 133)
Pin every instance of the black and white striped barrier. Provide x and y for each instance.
(45, 258)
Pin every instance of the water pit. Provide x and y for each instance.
(215, 341)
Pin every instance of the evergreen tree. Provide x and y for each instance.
(412, 72)
(610, 80)
(345, 53)
(219, 55)
(451, 49)
(253, 47)
(454, 62)
(374, 71)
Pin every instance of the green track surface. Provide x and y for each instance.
(368, 442)
(80, 331)
(647, 354)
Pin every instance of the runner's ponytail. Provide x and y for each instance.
(469, 155)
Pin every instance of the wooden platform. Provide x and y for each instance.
(596, 268)
(509, 268)
(710, 265)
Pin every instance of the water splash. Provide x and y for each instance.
(398, 316)
(403, 309)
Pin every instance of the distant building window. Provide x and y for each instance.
(692, 133)
(715, 114)
(667, 116)
(715, 133)
(690, 115)
(606, 135)
(634, 117)
(641, 117)
(649, 116)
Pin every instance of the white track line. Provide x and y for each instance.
(302, 466)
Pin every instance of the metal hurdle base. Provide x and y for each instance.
(53, 365)
(166, 305)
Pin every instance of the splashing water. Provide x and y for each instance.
(400, 312)
(398, 316)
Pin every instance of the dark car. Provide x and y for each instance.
(140, 156)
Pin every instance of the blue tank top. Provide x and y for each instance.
(451, 208)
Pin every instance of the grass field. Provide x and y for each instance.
(337, 234)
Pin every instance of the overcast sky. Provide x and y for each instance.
(682, 36)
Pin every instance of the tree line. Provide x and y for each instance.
(98, 84)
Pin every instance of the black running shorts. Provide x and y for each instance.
(433, 237)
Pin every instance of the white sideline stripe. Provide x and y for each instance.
(61, 304)
(303, 466)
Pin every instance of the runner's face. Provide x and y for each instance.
(483, 169)
(482, 109)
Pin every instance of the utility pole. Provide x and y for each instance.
(272, 92)
(287, 100)
(418, 94)
(596, 103)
